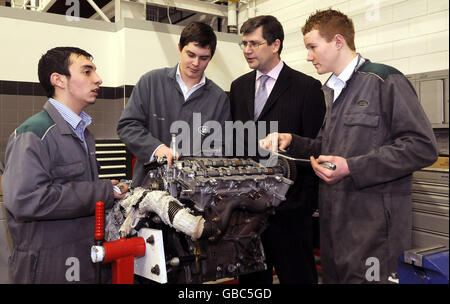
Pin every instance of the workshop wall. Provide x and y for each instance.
(20, 100)
(122, 52)
(411, 35)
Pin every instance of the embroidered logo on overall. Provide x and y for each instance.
(362, 103)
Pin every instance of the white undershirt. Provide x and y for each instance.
(338, 83)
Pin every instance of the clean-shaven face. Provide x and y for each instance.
(263, 57)
(84, 83)
(193, 61)
(322, 54)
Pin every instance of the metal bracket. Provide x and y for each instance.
(153, 265)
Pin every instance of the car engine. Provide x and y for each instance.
(211, 211)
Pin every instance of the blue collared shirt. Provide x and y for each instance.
(77, 123)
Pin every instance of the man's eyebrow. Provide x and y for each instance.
(192, 53)
(88, 66)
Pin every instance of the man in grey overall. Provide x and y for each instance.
(50, 184)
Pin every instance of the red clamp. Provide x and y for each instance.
(120, 253)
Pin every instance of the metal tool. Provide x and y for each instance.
(327, 165)
(173, 146)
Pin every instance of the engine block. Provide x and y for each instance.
(203, 179)
(232, 197)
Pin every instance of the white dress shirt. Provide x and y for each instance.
(188, 92)
(338, 83)
(273, 76)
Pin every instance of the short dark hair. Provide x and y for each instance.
(57, 60)
(272, 28)
(330, 23)
(200, 33)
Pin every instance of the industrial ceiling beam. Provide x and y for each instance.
(108, 10)
(45, 5)
(98, 10)
(191, 5)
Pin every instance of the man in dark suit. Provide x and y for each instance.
(275, 92)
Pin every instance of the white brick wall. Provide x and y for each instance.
(411, 35)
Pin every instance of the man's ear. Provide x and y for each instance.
(340, 41)
(58, 80)
(276, 45)
(179, 48)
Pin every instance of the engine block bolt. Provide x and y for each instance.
(151, 239)
(155, 269)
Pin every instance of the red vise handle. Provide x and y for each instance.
(99, 233)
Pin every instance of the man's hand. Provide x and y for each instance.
(122, 187)
(330, 176)
(167, 152)
(276, 141)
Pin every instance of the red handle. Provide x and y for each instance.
(124, 247)
(99, 220)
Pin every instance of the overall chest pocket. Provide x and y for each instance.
(361, 133)
(362, 119)
(67, 171)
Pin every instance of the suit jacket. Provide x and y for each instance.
(297, 103)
